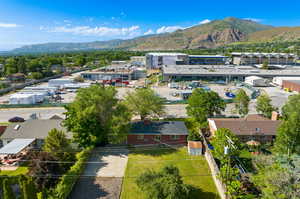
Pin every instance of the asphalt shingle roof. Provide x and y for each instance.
(159, 128)
(34, 129)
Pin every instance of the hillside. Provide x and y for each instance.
(280, 34)
(210, 35)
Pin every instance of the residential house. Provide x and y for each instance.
(157, 132)
(32, 129)
(252, 127)
(17, 77)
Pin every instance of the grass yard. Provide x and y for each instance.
(194, 170)
(20, 170)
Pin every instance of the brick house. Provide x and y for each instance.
(252, 127)
(157, 132)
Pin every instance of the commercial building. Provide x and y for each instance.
(225, 73)
(252, 127)
(260, 58)
(279, 80)
(59, 82)
(256, 81)
(207, 60)
(22, 98)
(291, 85)
(115, 73)
(157, 60)
(138, 60)
(157, 132)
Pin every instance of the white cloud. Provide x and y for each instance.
(9, 25)
(253, 19)
(67, 21)
(149, 32)
(204, 21)
(165, 29)
(99, 31)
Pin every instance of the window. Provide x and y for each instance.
(140, 137)
(175, 137)
(157, 137)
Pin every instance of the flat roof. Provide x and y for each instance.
(221, 70)
(293, 81)
(262, 54)
(165, 54)
(208, 56)
(16, 146)
(159, 128)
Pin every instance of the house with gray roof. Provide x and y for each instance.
(157, 132)
(32, 129)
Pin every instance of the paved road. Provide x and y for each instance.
(45, 113)
(103, 175)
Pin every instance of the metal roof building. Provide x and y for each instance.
(16, 146)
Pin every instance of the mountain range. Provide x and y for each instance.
(210, 35)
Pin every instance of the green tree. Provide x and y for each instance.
(292, 105)
(57, 144)
(203, 104)
(11, 66)
(242, 101)
(265, 65)
(22, 65)
(36, 75)
(28, 189)
(166, 183)
(7, 190)
(145, 103)
(264, 106)
(288, 135)
(97, 117)
(224, 137)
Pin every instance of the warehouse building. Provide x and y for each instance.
(225, 73)
(138, 60)
(279, 80)
(157, 60)
(256, 81)
(207, 60)
(291, 85)
(260, 58)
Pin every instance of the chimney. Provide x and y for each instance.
(275, 116)
(147, 122)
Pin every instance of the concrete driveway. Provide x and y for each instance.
(103, 175)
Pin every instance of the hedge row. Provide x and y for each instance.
(68, 180)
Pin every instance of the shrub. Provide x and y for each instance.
(65, 186)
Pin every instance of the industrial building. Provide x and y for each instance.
(113, 73)
(279, 80)
(256, 81)
(157, 60)
(23, 98)
(138, 60)
(291, 85)
(207, 60)
(222, 72)
(260, 58)
(59, 82)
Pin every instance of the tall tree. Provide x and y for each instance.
(224, 137)
(97, 117)
(203, 104)
(264, 106)
(7, 190)
(242, 101)
(166, 183)
(145, 103)
(57, 144)
(28, 188)
(288, 135)
(292, 105)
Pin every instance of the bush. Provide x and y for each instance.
(65, 186)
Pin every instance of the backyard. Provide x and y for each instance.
(193, 169)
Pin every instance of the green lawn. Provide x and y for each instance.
(193, 169)
(21, 170)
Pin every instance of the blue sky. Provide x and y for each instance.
(25, 22)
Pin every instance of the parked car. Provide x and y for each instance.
(16, 119)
